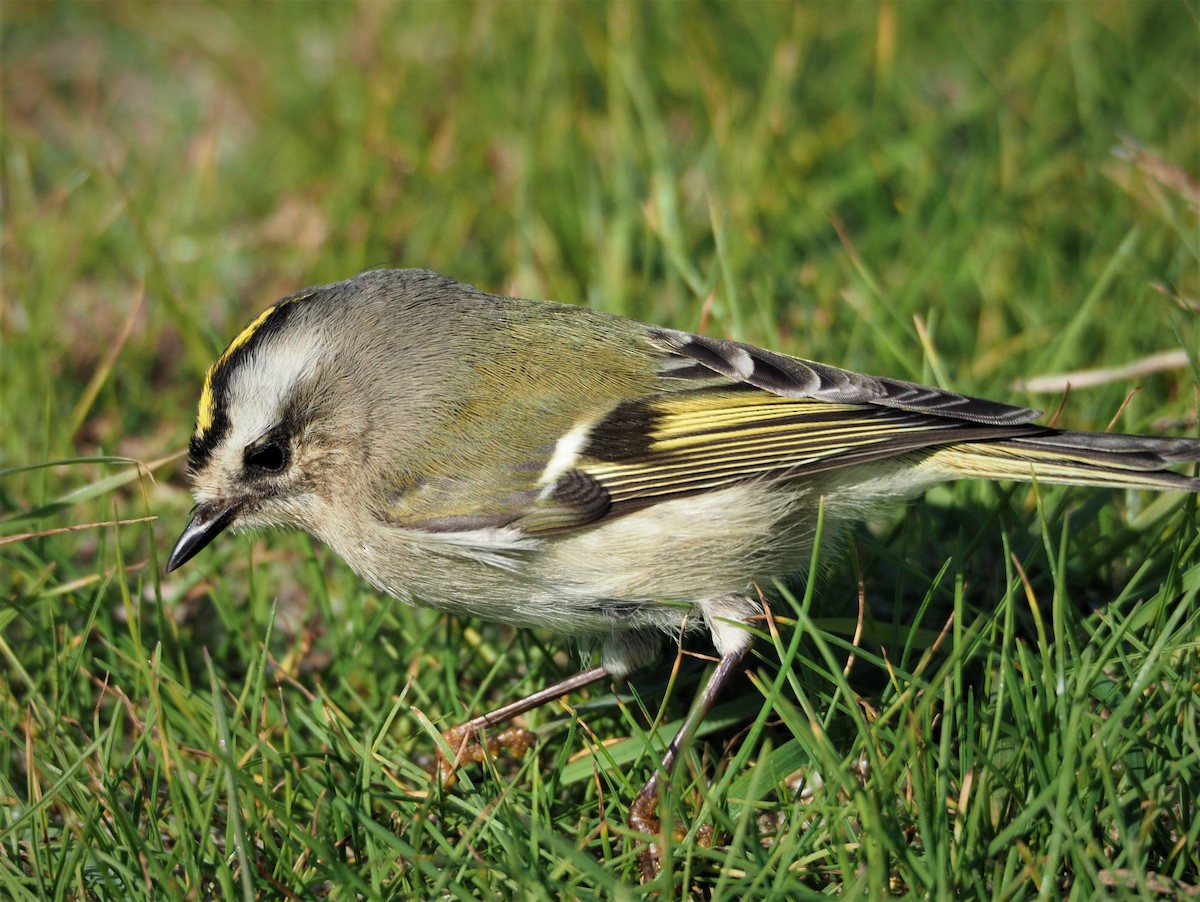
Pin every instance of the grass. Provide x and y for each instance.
(924, 190)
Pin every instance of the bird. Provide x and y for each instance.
(551, 466)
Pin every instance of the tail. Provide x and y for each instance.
(1077, 458)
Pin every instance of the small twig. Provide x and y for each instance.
(858, 625)
(1162, 170)
(1120, 410)
(1155, 363)
(24, 536)
(1062, 404)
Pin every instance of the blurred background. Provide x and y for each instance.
(965, 194)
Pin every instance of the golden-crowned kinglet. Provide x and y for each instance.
(550, 466)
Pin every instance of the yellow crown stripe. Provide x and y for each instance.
(204, 419)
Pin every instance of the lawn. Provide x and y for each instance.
(994, 693)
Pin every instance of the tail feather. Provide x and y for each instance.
(1078, 458)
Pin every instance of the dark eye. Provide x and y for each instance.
(269, 458)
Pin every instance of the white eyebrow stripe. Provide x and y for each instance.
(265, 381)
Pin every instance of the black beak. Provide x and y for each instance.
(207, 523)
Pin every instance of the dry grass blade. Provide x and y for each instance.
(1155, 363)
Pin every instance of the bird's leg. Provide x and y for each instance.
(462, 738)
(643, 813)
